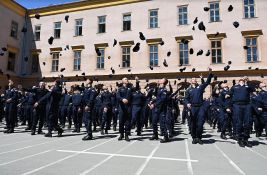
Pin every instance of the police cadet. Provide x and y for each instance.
(89, 95)
(256, 114)
(263, 105)
(124, 99)
(11, 97)
(39, 112)
(137, 103)
(97, 110)
(52, 98)
(77, 111)
(66, 110)
(159, 106)
(106, 98)
(194, 101)
(240, 94)
(29, 102)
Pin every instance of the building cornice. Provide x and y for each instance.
(13, 6)
(78, 6)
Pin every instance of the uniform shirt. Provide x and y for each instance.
(106, 98)
(89, 95)
(124, 93)
(262, 99)
(77, 99)
(241, 94)
(12, 94)
(138, 98)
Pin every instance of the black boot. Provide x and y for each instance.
(102, 132)
(49, 134)
(106, 131)
(121, 137)
(194, 141)
(241, 143)
(127, 138)
(200, 141)
(247, 143)
(33, 132)
(78, 130)
(59, 132)
(11, 131)
(165, 139)
(223, 136)
(114, 128)
(154, 137)
(88, 137)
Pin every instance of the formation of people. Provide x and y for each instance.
(236, 111)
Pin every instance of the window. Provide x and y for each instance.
(14, 29)
(182, 15)
(153, 55)
(252, 51)
(78, 27)
(57, 29)
(35, 63)
(101, 24)
(126, 22)
(126, 56)
(216, 51)
(100, 59)
(55, 62)
(153, 18)
(37, 33)
(11, 61)
(214, 11)
(77, 61)
(249, 8)
(184, 55)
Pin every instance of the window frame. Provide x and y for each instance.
(78, 31)
(35, 63)
(214, 18)
(123, 21)
(183, 13)
(11, 67)
(100, 24)
(77, 59)
(37, 31)
(14, 33)
(126, 56)
(249, 11)
(252, 46)
(154, 53)
(57, 29)
(156, 25)
(183, 51)
(216, 48)
(55, 60)
(100, 60)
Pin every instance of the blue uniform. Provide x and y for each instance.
(138, 100)
(77, 105)
(11, 94)
(106, 100)
(263, 104)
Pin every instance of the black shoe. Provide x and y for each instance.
(121, 137)
(219, 130)
(165, 139)
(49, 134)
(88, 137)
(59, 132)
(241, 143)
(40, 132)
(33, 132)
(154, 137)
(139, 134)
(223, 136)
(102, 132)
(10, 131)
(247, 143)
(78, 130)
(194, 141)
(94, 129)
(106, 131)
(127, 138)
(200, 141)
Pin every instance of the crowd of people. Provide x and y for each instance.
(236, 111)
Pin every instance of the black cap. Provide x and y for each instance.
(136, 47)
(224, 81)
(147, 80)
(76, 75)
(206, 9)
(24, 30)
(44, 63)
(165, 63)
(194, 69)
(249, 67)
(129, 70)
(50, 40)
(208, 53)
(257, 68)
(62, 69)
(151, 67)
(226, 68)
(37, 16)
(230, 8)
(97, 51)
(115, 42)
(169, 54)
(162, 43)
(113, 71)
(67, 18)
(181, 70)
(245, 47)
(229, 62)
(196, 20)
(119, 65)
(181, 64)
(185, 41)
(60, 54)
(191, 51)
(236, 24)
(67, 47)
(109, 57)
(233, 82)
(217, 34)
(2, 54)
(262, 76)
(201, 26)
(83, 74)
(193, 28)
(141, 36)
(200, 52)
(4, 49)
(175, 82)
(26, 59)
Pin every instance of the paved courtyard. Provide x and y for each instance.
(21, 153)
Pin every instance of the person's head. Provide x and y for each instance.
(125, 81)
(89, 82)
(263, 86)
(224, 86)
(194, 81)
(42, 85)
(105, 88)
(10, 83)
(163, 82)
(241, 82)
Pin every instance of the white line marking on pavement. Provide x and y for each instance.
(30, 146)
(127, 155)
(141, 169)
(259, 154)
(189, 163)
(6, 163)
(106, 159)
(65, 158)
(229, 160)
